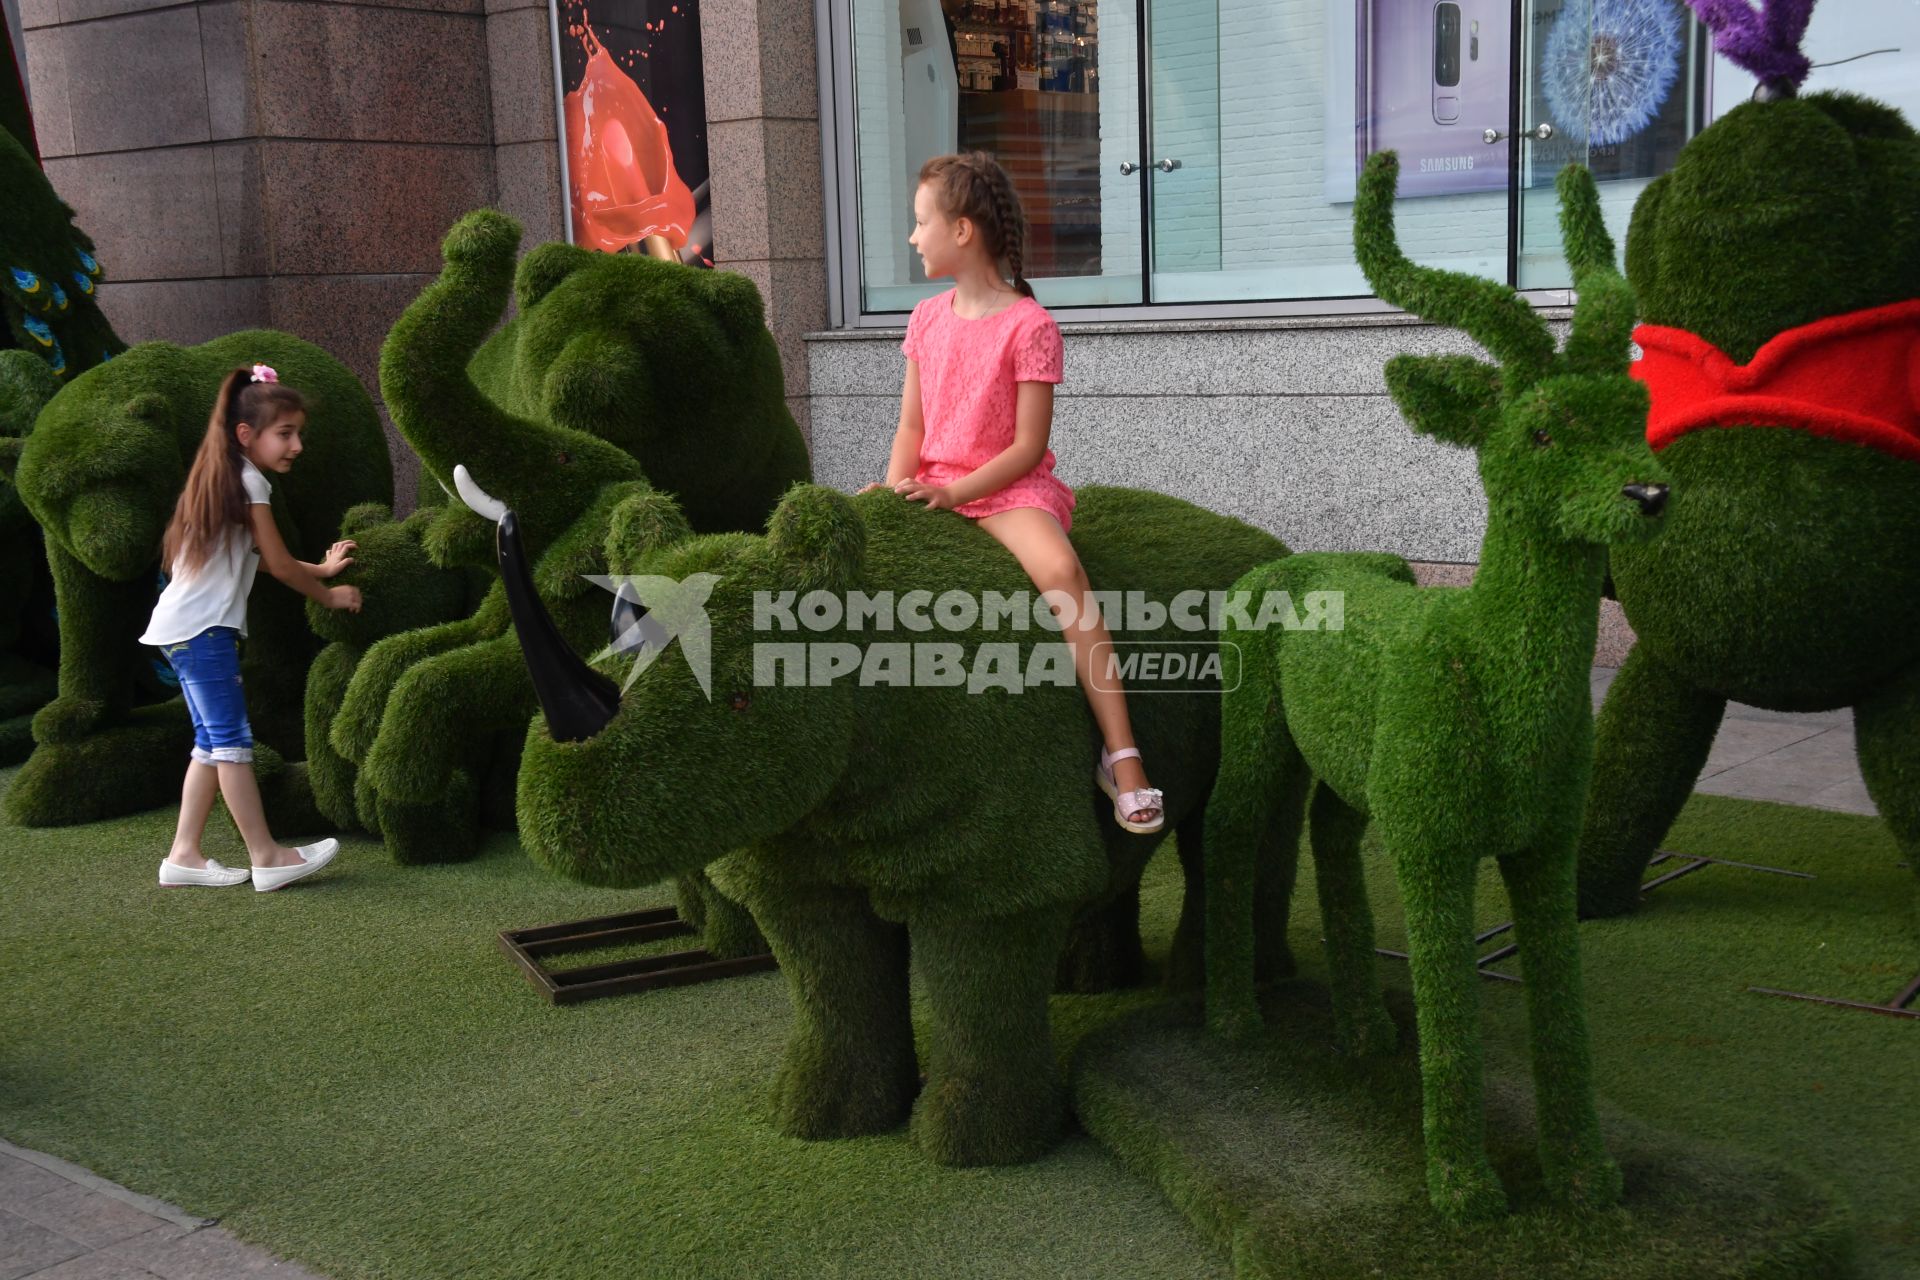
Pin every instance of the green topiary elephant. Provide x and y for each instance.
(619, 374)
(1458, 720)
(851, 818)
(1778, 271)
(101, 473)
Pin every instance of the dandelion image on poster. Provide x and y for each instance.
(1626, 58)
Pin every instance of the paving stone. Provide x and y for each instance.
(95, 1266)
(87, 1216)
(208, 1254)
(27, 1247)
(21, 1182)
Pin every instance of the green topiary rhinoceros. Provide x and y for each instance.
(101, 473)
(620, 373)
(851, 817)
(1778, 272)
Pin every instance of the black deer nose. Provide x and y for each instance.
(1651, 497)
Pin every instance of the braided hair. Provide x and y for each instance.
(972, 185)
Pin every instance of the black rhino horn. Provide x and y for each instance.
(578, 700)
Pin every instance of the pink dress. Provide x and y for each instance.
(968, 372)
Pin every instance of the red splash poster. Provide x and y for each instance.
(633, 125)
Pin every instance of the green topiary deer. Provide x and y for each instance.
(1459, 720)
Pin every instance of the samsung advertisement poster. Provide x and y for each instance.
(1623, 82)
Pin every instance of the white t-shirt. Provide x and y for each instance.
(216, 596)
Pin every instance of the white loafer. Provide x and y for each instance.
(173, 875)
(316, 856)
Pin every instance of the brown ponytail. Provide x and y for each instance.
(214, 497)
(972, 185)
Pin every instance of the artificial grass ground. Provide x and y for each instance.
(350, 1074)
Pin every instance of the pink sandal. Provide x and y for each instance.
(1127, 803)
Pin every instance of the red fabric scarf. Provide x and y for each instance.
(1853, 377)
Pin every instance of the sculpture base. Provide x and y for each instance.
(622, 977)
(1300, 1163)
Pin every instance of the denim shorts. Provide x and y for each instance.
(209, 669)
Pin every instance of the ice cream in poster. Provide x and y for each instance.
(634, 121)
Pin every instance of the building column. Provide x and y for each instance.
(763, 150)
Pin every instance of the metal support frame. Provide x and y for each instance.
(527, 946)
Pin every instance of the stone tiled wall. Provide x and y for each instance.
(277, 163)
(763, 151)
(1284, 424)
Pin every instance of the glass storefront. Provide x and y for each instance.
(1204, 151)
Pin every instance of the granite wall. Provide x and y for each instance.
(763, 147)
(1283, 423)
(273, 163)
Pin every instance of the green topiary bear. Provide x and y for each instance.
(402, 590)
(1778, 271)
(851, 818)
(1458, 720)
(619, 373)
(101, 473)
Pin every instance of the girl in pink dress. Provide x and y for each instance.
(982, 361)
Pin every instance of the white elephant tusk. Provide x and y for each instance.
(478, 499)
(443, 486)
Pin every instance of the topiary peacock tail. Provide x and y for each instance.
(1765, 42)
(49, 278)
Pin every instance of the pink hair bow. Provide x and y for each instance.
(264, 373)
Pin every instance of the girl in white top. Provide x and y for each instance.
(222, 529)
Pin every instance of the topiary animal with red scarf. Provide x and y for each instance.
(1778, 272)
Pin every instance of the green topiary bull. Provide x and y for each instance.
(851, 818)
(619, 374)
(1459, 721)
(101, 473)
(1778, 272)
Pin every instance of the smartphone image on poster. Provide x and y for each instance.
(1431, 76)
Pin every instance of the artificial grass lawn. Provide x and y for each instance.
(393, 1099)
(1309, 1165)
(351, 1074)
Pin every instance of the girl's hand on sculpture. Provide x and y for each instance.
(336, 558)
(938, 497)
(347, 598)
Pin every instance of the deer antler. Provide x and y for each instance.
(1488, 312)
(1766, 43)
(1603, 317)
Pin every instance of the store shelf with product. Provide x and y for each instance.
(1049, 144)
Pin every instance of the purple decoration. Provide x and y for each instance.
(1766, 43)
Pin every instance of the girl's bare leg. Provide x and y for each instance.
(1044, 551)
(196, 802)
(242, 793)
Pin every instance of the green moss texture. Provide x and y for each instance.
(862, 822)
(1789, 573)
(1457, 720)
(618, 375)
(101, 473)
